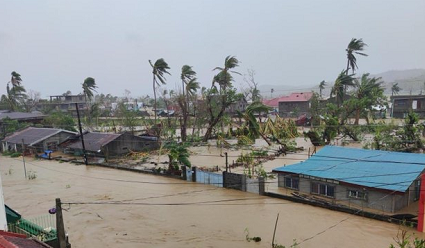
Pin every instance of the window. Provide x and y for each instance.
(361, 195)
(417, 184)
(292, 182)
(323, 189)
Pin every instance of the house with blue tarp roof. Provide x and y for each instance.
(383, 180)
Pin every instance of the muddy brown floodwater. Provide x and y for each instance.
(138, 210)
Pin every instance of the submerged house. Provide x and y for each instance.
(36, 140)
(110, 144)
(382, 180)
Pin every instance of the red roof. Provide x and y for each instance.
(14, 240)
(298, 97)
(273, 102)
(294, 97)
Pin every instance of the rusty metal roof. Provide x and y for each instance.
(94, 141)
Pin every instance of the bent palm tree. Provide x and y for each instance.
(368, 92)
(356, 46)
(322, 87)
(89, 85)
(159, 69)
(342, 81)
(224, 78)
(16, 79)
(395, 89)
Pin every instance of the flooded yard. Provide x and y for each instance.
(113, 208)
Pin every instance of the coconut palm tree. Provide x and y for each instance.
(322, 87)
(356, 46)
(16, 79)
(89, 85)
(224, 78)
(186, 75)
(395, 89)
(342, 81)
(159, 69)
(369, 92)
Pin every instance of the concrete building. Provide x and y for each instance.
(295, 104)
(402, 104)
(66, 103)
(36, 140)
(381, 180)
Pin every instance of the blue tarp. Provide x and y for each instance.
(370, 168)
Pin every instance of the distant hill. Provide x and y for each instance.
(410, 81)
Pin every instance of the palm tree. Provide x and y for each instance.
(356, 46)
(224, 78)
(342, 81)
(89, 85)
(368, 93)
(186, 74)
(395, 89)
(322, 87)
(159, 69)
(16, 79)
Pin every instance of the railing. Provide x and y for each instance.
(42, 227)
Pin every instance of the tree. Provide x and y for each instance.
(342, 81)
(253, 93)
(89, 85)
(159, 69)
(356, 46)
(322, 87)
(188, 77)
(225, 96)
(368, 93)
(15, 95)
(31, 101)
(60, 120)
(395, 89)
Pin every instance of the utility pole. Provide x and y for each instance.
(60, 228)
(81, 135)
(23, 158)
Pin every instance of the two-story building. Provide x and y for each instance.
(295, 104)
(66, 103)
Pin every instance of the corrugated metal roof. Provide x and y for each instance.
(33, 135)
(20, 115)
(94, 141)
(298, 97)
(370, 168)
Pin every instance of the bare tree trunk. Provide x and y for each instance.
(154, 97)
(356, 121)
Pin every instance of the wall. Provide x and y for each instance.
(243, 183)
(379, 200)
(286, 108)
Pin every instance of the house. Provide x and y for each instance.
(295, 104)
(36, 139)
(381, 180)
(66, 103)
(110, 144)
(238, 106)
(402, 104)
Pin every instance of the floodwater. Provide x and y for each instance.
(125, 209)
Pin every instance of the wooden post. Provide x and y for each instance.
(60, 228)
(81, 135)
(23, 158)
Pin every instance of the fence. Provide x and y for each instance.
(42, 227)
(195, 175)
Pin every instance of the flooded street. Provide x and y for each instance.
(114, 208)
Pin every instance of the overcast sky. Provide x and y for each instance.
(56, 44)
